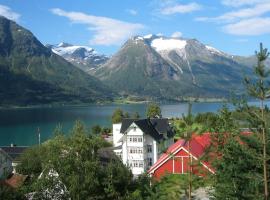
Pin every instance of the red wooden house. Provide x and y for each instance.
(176, 159)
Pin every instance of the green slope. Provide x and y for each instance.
(137, 69)
(31, 74)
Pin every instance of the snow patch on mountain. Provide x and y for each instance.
(213, 50)
(83, 57)
(149, 36)
(68, 50)
(164, 44)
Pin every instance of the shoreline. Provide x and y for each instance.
(115, 102)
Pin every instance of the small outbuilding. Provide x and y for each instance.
(183, 156)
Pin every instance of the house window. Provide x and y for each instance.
(136, 163)
(149, 160)
(134, 139)
(138, 150)
(149, 148)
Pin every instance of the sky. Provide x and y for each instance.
(233, 26)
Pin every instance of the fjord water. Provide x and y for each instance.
(19, 126)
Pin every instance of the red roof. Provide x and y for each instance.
(15, 181)
(198, 144)
(173, 148)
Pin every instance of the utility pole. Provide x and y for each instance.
(38, 132)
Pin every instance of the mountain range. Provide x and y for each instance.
(172, 69)
(86, 58)
(151, 67)
(31, 73)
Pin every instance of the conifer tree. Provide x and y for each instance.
(259, 89)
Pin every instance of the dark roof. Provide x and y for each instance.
(158, 128)
(5, 154)
(125, 124)
(15, 151)
(162, 126)
(106, 155)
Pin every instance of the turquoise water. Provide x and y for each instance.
(19, 126)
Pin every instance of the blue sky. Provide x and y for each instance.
(233, 26)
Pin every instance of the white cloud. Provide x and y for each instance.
(180, 8)
(250, 21)
(238, 3)
(255, 11)
(107, 31)
(249, 27)
(176, 34)
(132, 12)
(8, 13)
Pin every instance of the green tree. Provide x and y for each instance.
(117, 116)
(31, 162)
(259, 89)
(78, 162)
(136, 115)
(173, 186)
(106, 130)
(9, 193)
(96, 130)
(126, 115)
(237, 174)
(235, 159)
(153, 111)
(142, 188)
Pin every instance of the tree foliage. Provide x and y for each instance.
(136, 115)
(117, 116)
(96, 130)
(153, 111)
(239, 155)
(78, 162)
(259, 89)
(9, 193)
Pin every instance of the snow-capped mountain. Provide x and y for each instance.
(83, 57)
(180, 52)
(165, 44)
(171, 68)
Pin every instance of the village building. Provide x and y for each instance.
(14, 153)
(184, 156)
(140, 142)
(5, 165)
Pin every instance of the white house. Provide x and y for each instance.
(140, 142)
(5, 164)
(14, 153)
